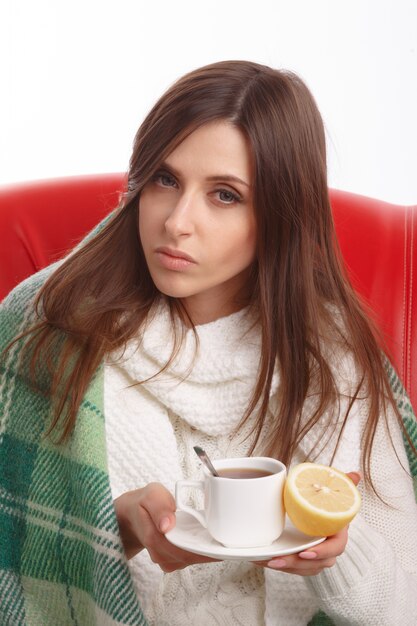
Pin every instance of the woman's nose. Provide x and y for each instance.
(180, 220)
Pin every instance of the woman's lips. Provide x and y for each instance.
(174, 259)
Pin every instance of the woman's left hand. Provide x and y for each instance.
(311, 562)
(314, 561)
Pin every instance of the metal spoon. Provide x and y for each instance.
(203, 457)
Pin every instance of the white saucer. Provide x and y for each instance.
(190, 535)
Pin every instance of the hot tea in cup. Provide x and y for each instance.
(243, 506)
(243, 472)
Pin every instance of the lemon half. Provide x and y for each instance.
(320, 500)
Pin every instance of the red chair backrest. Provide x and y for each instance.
(41, 221)
(378, 244)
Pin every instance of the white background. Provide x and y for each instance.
(78, 77)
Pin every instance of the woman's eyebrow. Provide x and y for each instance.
(226, 177)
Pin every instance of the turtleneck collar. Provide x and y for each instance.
(209, 383)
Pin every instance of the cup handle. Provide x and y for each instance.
(197, 484)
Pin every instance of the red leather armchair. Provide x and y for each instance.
(40, 221)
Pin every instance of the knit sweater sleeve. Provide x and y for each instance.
(374, 582)
(368, 585)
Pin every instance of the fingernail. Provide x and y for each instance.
(277, 563)
(164, 524)
(307, 555)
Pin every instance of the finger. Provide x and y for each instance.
(300, 566)
(159, 508)
(355, 477)
(163, 552)
(160, 505)
(189, 558)
(170, 558)
(331, 548)
(310, 571)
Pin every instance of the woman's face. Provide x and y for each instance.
(197, 222)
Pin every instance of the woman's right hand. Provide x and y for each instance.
(144, 516)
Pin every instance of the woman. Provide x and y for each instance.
(210, 308)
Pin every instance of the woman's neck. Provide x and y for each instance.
(209, 307)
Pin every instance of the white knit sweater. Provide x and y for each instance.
(151, 430)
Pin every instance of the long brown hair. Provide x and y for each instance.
(101, 295)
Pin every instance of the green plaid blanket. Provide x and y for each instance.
(61, 558)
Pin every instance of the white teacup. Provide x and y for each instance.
(240, 512)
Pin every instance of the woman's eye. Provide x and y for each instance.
(164, 179)
(228, 197)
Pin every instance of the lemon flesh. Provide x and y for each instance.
(320, 500)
